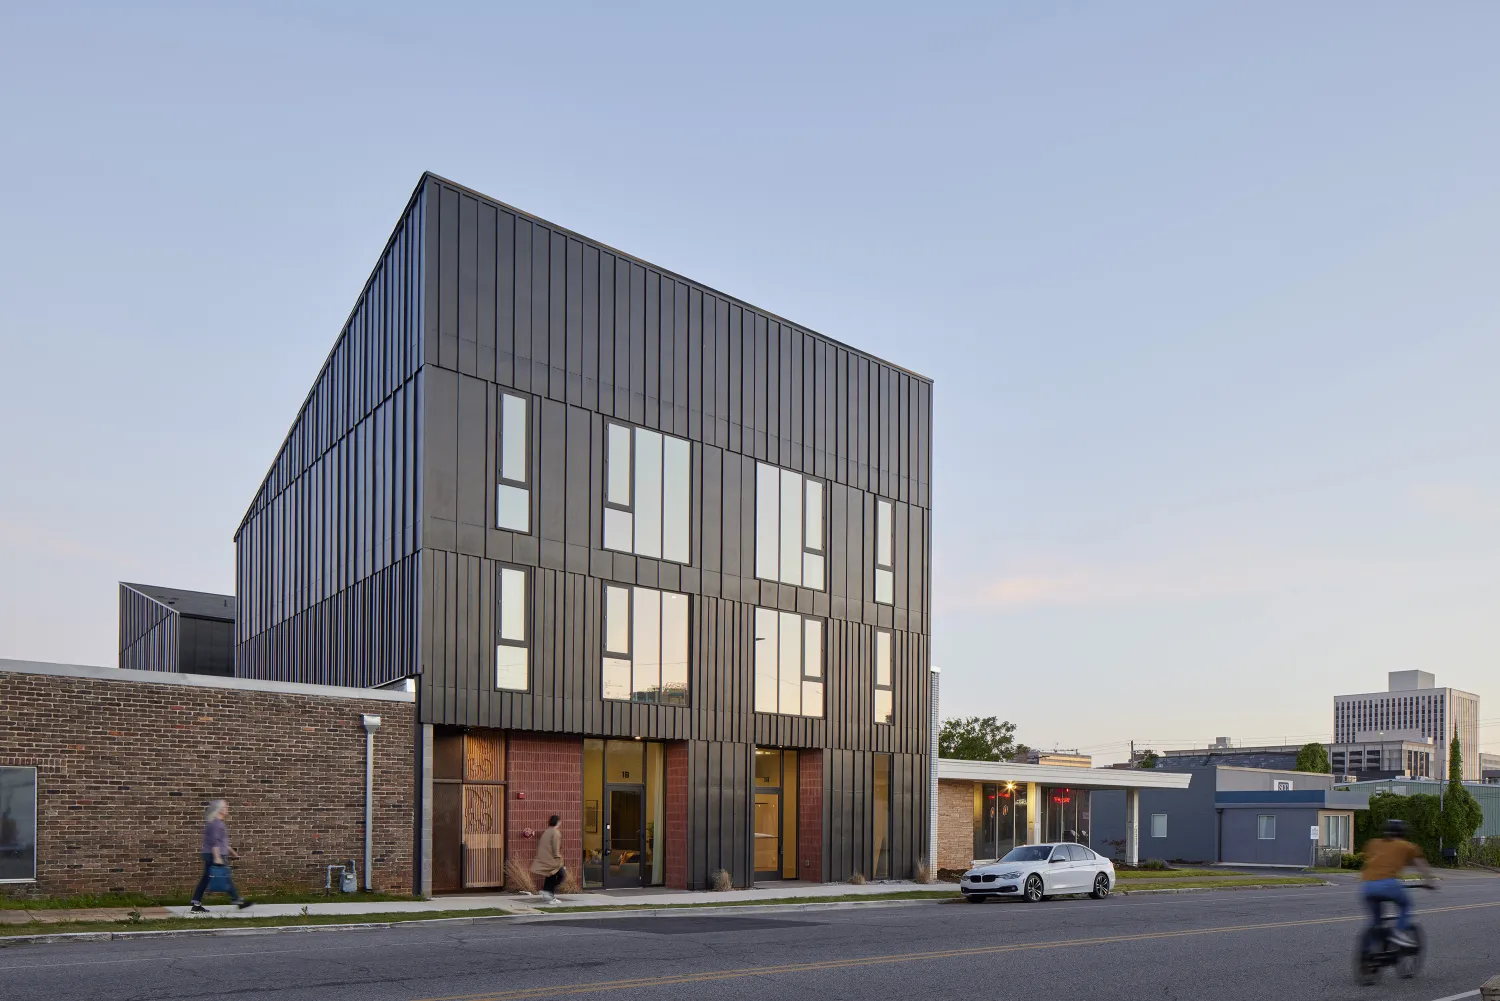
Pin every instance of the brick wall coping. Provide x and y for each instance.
(202, 681)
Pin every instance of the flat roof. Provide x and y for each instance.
(1062, 775)
(198, 604)
(116, 674)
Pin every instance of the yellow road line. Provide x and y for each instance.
(562, 990)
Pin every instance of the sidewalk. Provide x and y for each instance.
(514, 903)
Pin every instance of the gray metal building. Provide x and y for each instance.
(170, 629)
(584, 502)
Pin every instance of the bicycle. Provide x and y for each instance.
(1376, 950)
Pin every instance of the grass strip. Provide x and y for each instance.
(838, 898)
(1214, 884)
(1169, 873)
(290, 921)
(127, 900)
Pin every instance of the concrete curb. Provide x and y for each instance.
(514, 918)
(1221, 889)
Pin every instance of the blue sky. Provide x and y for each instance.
(1208, 293)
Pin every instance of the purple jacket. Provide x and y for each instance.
(216, 838)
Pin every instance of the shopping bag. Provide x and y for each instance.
(218, 879)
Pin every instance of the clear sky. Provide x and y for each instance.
(1209, 293)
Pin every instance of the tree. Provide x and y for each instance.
(1422, 813)
(976, 738)
(1149, 759)
(1313, 758)
(1462, 814)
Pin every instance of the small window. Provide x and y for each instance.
(884, 690)
(885, 546)
(513, 503)
(788, 663)
(789, 527)
(648, 490)
(1265, 827)
(1158, 825)
(513, 645)
(17, 825)
(645, 645)
(1082, 854)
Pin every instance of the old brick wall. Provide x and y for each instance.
(548, 771)
(677, 816)
(125, 767)
(810, 815)
(955, 824)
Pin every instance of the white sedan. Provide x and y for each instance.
(1036, 872)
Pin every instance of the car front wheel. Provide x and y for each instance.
(1101, 887)
(1034, 891)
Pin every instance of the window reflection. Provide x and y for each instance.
(645, 656)
(513, 493)
(788, 663)
(789, 523)
(648, 494)
(512, 649)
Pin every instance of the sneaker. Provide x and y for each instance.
(1402, 939)
(548, 897)
(242, 904)
(198, 908)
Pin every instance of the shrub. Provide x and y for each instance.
(518, 877)
(924, 872)
(722, 881)
(1347, 861)
(1154, 864)
(858, 879)
(570, 883)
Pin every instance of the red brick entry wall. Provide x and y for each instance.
(126, 766)
(810, 815)
(677, 816)
(548, 772)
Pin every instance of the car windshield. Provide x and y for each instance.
(1028, 853)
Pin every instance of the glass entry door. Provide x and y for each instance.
(624, 835)
(767, 834)
(773, 820)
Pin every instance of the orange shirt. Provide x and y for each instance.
(1387, 858)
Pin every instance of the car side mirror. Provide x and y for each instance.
(1056, 858)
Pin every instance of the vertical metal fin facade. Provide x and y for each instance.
(326, 557)
(149, 637)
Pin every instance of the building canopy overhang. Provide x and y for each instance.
(954, 769)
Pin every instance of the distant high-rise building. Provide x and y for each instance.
(1412, 710)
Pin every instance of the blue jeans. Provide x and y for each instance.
(1378, 891)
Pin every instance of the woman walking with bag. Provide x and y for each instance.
(216, 853)
(549, 861)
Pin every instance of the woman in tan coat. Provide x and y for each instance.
(549, 861)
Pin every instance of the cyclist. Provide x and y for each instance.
(1386, 858)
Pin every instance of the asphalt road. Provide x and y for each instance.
(1261, 944)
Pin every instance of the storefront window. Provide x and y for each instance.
(17, 825)
(999, 818)
(1067, 814)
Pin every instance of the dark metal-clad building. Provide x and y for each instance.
(657, 560)
(169, 629)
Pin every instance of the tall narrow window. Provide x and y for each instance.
(647, 493)
(788, 663)
(513, 645)
(884, 690)
(645, 645)
(513, 502)
(789, 535)
(885, 547)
